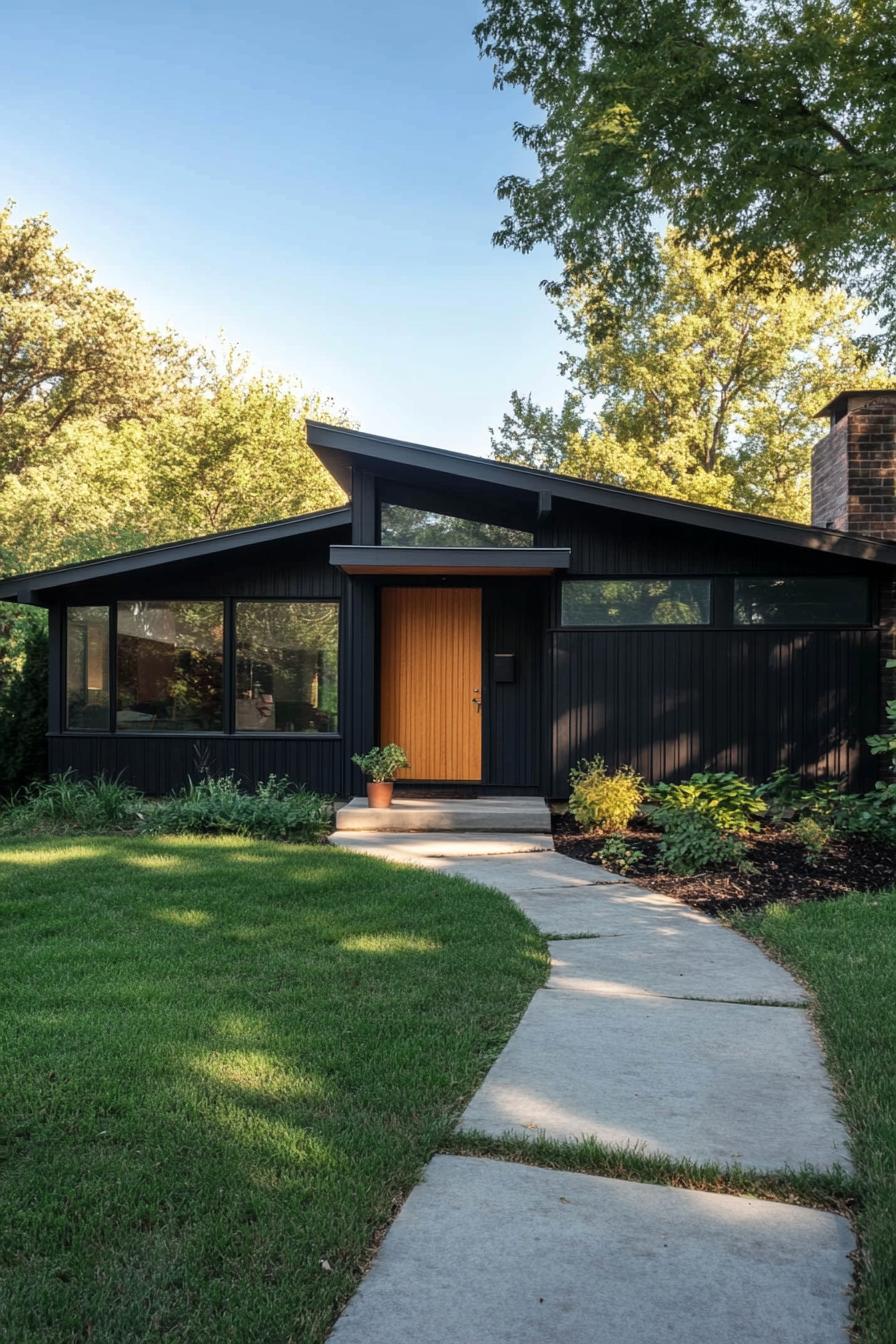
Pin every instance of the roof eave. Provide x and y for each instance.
(26, 588)
(333, 445)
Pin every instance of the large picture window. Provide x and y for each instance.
(87, 669)
(287, 665)
(635, 602)
(404, 526)
(793, 601)
(170, 667)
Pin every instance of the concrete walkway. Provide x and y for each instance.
(659, 1030)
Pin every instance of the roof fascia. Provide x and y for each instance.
(328, 440)
(27, 587)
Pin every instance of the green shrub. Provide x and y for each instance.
(67, 803)
(381, 764)
(277, 810)
(814, 836)
(726, 798)
(618, 855)
(783, 795)
(870, 814)
(884, 744)
(23, 696)
(601, 801)
(692, 842)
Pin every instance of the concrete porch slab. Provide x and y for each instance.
(713, 1082)
(490, 1252)
(681, 959)
(446, 814)
(448, 845)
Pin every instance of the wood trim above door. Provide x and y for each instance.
(431, 680)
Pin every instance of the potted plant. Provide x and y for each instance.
(381, 765)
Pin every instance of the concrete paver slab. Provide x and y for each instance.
(490, 1252)
(714, 1082)
(681, 959)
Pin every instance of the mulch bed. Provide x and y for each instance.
(782, 872)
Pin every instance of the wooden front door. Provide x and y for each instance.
(430, 679)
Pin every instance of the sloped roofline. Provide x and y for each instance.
(339, 448)
(23, 587)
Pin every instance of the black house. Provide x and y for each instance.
(498, 622)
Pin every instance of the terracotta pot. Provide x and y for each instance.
(379, 794)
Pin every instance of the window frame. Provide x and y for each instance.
(113, 653)
(443, 512)
(871, 615)
(228, 670)
(230, 657)
(710, 579)
(111, 626)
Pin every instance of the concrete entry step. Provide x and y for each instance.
(447, 814)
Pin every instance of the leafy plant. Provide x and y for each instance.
(884, 743)
(871, 814)
(618, 855)
(67, 803)
(814, 836)
(277, 810)
(692, 841)
(783, 795)
(726, 798)
(23, 695)
(603, 801)
(382, 764)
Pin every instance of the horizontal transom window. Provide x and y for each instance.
(636, 602)
(801, 601)
(404, 526)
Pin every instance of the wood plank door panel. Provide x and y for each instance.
(430, 678)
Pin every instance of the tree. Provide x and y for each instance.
(70, 348)
(708, 393)
(767, 127)
(233, 452)
(114, 437)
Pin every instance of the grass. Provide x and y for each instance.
(225, 1064)
(845, 951)
(817, 1190)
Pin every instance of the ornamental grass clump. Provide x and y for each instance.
(65, 803)
(216, 805)
(601, 801)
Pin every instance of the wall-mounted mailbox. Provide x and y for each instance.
(505, 667)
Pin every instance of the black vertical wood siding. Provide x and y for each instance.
(667, 701)
(671, 702)
(515, 614)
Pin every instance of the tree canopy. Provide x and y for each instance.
(707, 393)
(758, 128)
(113, 436)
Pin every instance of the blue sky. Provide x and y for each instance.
(317, 181)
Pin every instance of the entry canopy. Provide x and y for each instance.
(448, 560)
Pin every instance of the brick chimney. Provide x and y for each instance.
(854, 465)
(854, 490)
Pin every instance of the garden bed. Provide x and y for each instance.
(782, 871)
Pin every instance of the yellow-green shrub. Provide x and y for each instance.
(601, 801)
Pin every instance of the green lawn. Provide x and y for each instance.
(224, 1064)
(845, 950)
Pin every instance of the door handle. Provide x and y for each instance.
(477, 700)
